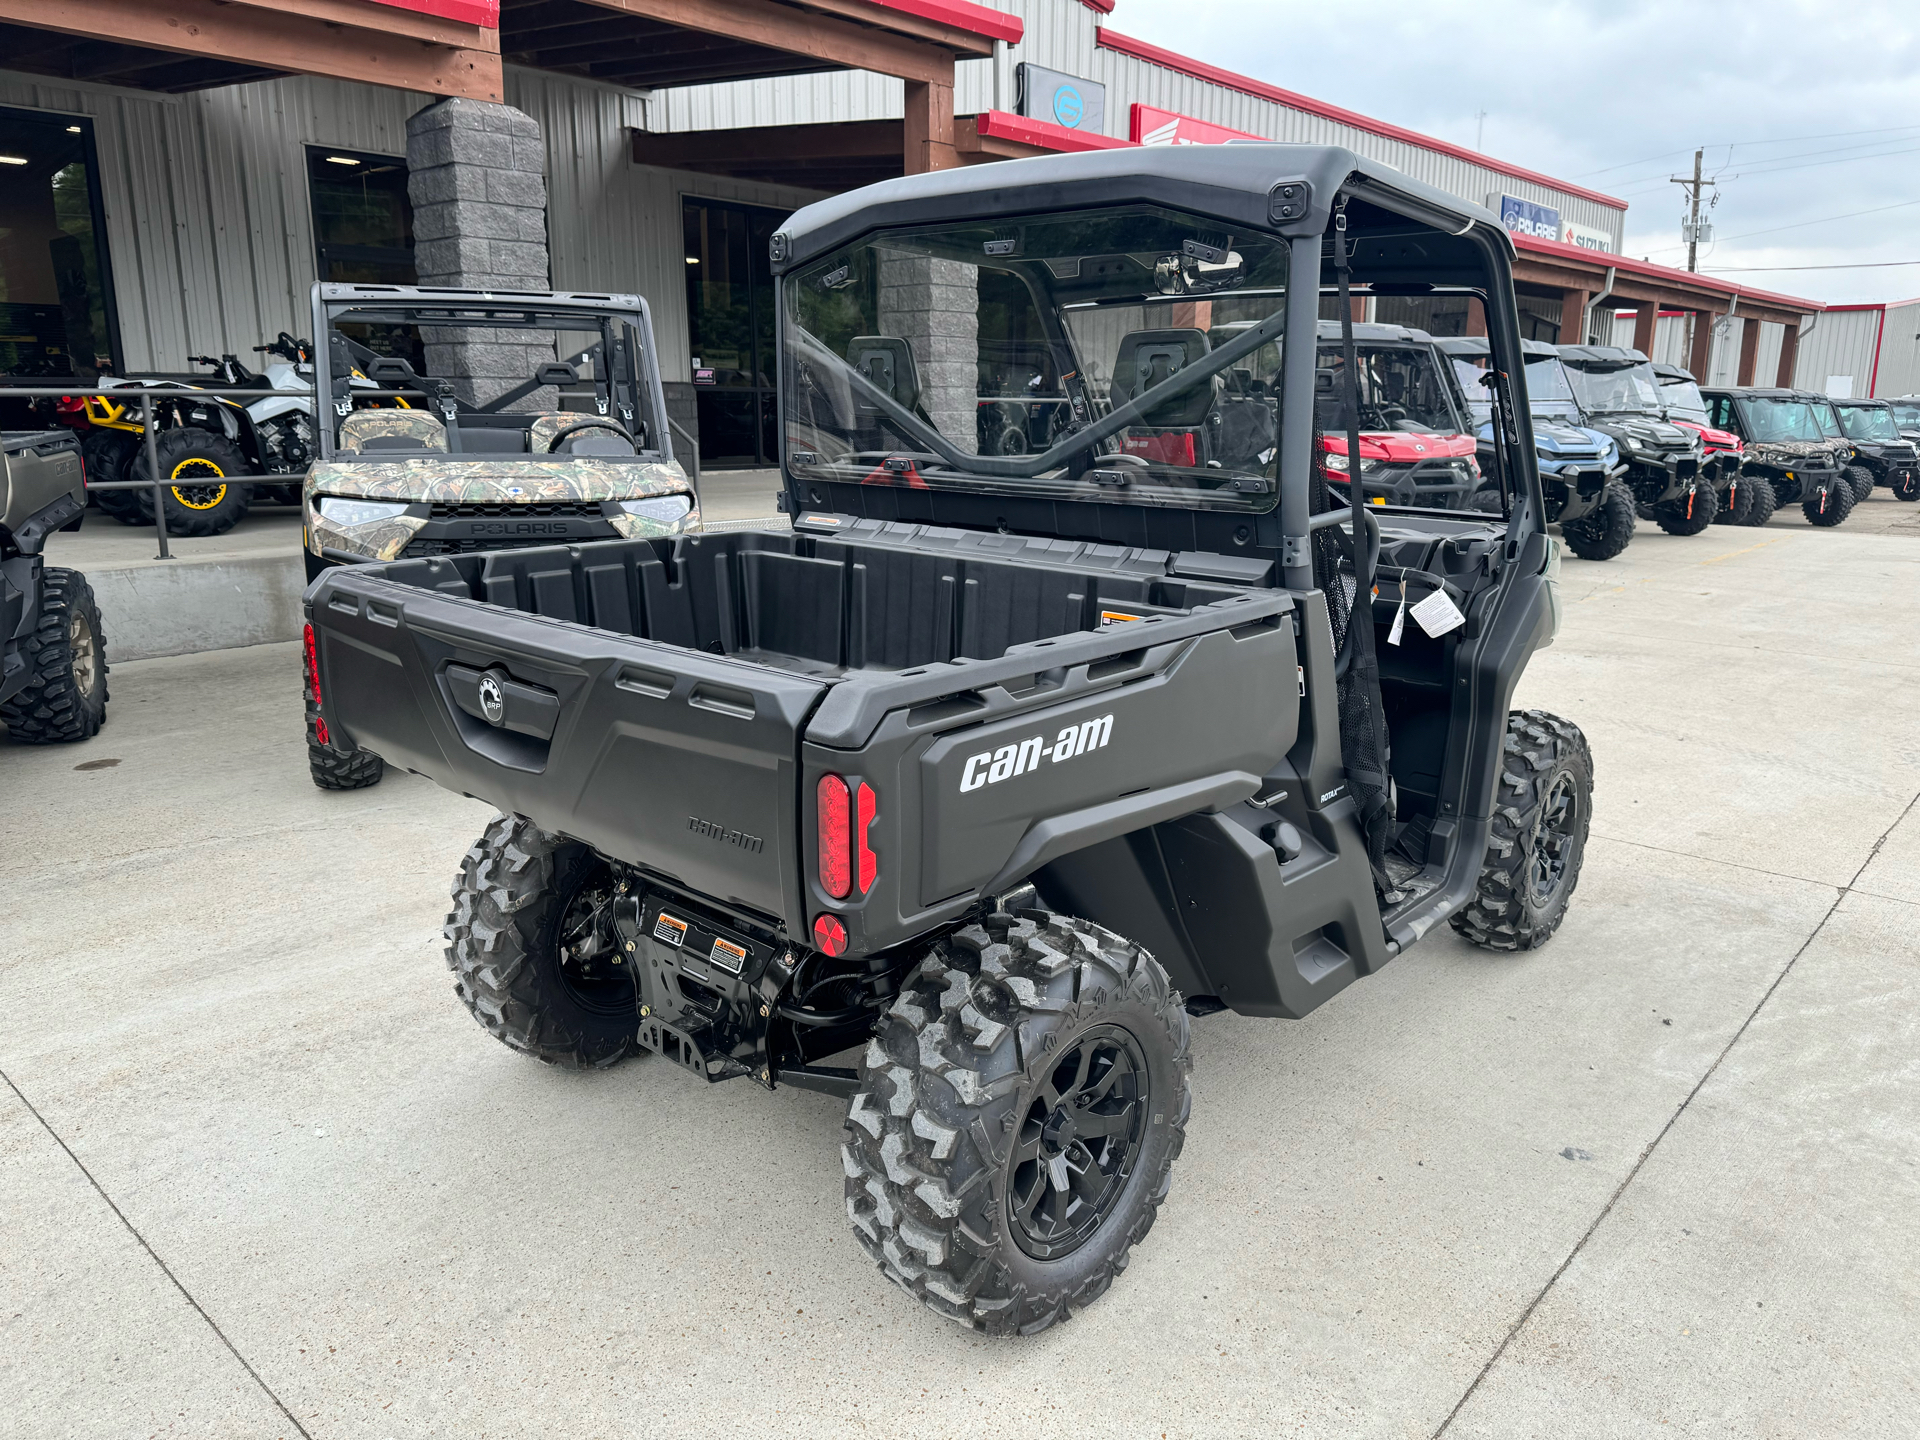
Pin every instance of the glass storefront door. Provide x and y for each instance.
(730, 328)
(56, 298)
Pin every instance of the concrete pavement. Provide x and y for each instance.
(1658, 1178)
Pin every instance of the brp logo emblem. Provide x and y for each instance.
(493, 700)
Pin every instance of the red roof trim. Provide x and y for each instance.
(1878, 305)
(1691, 279)
(1172, 60)
(1103, 7)
(963, 15)
(999, 125)
(484, 13)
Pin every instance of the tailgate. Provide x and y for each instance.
(654, 754)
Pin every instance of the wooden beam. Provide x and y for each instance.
(691, 149)
(927, 138)
(823, 38)
(1750, 343)
(1701, 348)
(1573, 312)
(1790, 347)
(385, 19)
(271, 39)
(963, 44)
(1646, 313)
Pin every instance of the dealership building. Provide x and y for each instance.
(178, 173)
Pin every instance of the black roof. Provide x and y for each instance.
(1373, 332)
(1765, 392)
(1873, 401)
(1470, 347)
(1607, 356)
(1232, 182)
(1672, 372)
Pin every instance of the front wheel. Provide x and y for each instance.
(198, 497)
(1020, 1110)
(1907, 485)
(1731, 506)
(1689, 514)
(1831, 504)
(1762, 500)
(532, 946)
(1860, 480)
(66, 658)
(1544, 802)
(1605, 531)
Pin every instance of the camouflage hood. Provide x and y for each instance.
(1823, 454)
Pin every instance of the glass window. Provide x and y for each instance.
(1906, 413)
(1616, 390)
(914, 351)
(1868, 422)
(56, 314)
(730, 329)
(1781, 420)
(1683, 398)
(363, 223)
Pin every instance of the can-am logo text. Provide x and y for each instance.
(991, 767)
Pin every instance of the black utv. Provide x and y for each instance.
(53, 658)
(1580, 468)
(959, 799)
(1882, 456)
(1791, 442)
(1620, 396)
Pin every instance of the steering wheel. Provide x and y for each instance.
(598, 422)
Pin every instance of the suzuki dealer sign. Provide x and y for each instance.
(1544, 222)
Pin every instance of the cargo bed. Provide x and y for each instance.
(673, 702)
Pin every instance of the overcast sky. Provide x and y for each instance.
(1808, 111)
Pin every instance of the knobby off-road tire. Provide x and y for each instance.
(1861, 480)
(517, 900)
(1605, 531)
(107, 454)
(1031, 1067)
(1679, 517)
(1732, 509)
(331, 770)
(198, 499)
(66, 654)
(1542, 806)
(1762, 501)
(1831, 504)
(1908, 486)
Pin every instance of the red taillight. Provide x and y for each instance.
(864, 857)
(312, 668)
(830, 936)
(834, 821)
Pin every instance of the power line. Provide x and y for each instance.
(1864, 265)
(1766, 164)
(1800, 225)
(1784, 140)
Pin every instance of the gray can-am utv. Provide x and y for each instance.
(53, 656)
(1620, 396)
(961, 798)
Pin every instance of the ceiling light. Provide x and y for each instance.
(693, 260)
(13, 160)
(73, 130)
(341, 160)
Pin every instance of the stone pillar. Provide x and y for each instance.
(934, 306)
(477, 182)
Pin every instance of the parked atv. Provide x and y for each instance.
(1417, 448)
(1881, 455)
(1791, 444)
(53, 655)
(1683, 405)
(1580, 469)
(994, 770)
(1620, 396)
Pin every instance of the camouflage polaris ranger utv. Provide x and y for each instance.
(512, 419)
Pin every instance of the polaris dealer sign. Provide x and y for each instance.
(1524, 217)
(1061, 99)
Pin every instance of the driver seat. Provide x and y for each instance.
(1176, 432)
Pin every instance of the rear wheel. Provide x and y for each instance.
(1861, 480)
(1539, 835)
(1605, 531)
(1762, 500)
(1689, 514)
(1731, 505)
(1831, 504)
(198, 498)
(66, 655)
(533, 949)
(108, 454)
(1020, 1111)
(332, 770)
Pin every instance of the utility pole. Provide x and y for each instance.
(1693, 227)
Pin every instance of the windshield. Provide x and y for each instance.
(971, 356)
(1467, 375)
(1683, 398)
(1868, 422)
(1626, 389)
(1783, 420)
(1402, 387)
(1907, 413)
(479, 378)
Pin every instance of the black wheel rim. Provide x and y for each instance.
(593, 968)
(1553, 840)
(1078, 1143)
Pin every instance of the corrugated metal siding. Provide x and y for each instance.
(1837, 343)
(209, 233)
(1900, 372)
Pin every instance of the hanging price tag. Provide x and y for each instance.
(1400, 615)
(1437, 615)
